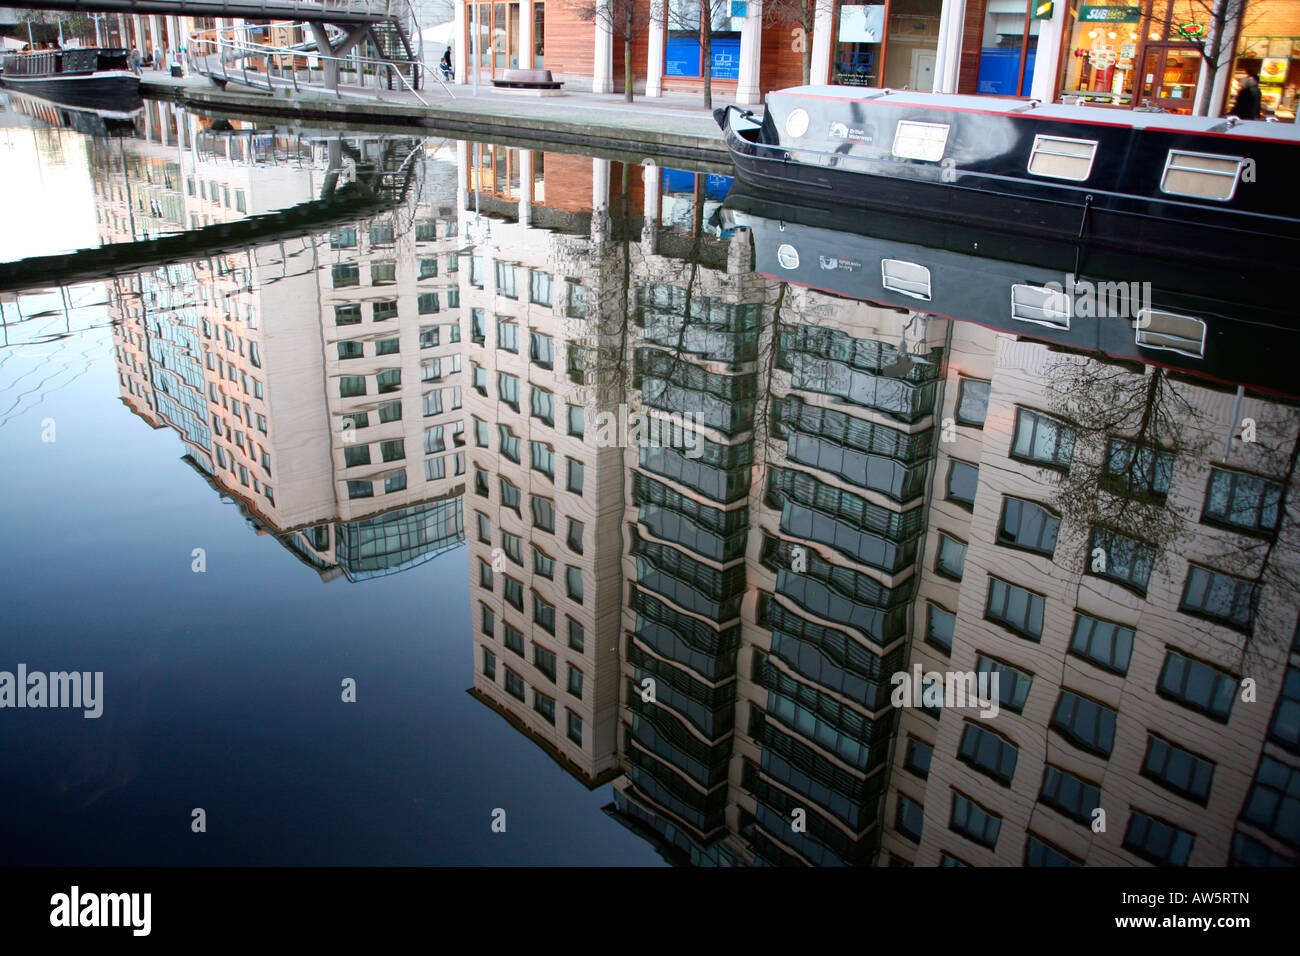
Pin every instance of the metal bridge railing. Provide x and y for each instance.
(216, 51)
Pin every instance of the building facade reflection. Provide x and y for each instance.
(714, 625)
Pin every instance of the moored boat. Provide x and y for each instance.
(1196, 188)
(1232, 324)
(89, 78)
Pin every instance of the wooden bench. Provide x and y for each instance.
(531, 80)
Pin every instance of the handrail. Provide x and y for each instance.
(228, 47)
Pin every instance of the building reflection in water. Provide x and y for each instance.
(714, 629)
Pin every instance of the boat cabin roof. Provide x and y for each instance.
(1004, 105)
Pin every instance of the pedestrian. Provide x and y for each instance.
(157, 63)
(1248, 98)
(135, 61)
(447, 71)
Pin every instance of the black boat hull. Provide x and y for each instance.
(1130, 223)
(119, 92)
(1251, 335)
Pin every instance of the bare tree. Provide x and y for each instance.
(625, 20)
(1214, 43)
(700, 15)
(1127, 429)
(801, 16)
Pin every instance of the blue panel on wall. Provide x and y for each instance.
(998, 69)
(682, 57)
(726, 58)
(1029, 73)
(678, 181)
(717, 187)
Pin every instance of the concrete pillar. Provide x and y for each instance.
(947, 67)
(599, 199)
(654, 78)
(602, 73)
(525, 187)
(329, 67)
(822, 41)
(526, 35)
(1047, 63)
(138, 39)
(157, 40)
(122, 31)
(751, 55)
(459, 48)
(650, 179)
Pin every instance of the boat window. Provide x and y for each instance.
(920, 140)
(1062, 158)
(1203, 175)
(796, 124)
(1041, 305)
(907, 278)
(1171, 332)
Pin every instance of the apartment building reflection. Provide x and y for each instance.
(826, 538)
(308, 378)
(713, 629)
(544, 508)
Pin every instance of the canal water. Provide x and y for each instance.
(402, 500)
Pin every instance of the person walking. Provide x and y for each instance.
(1247, 105)
(135, 61)
(448, 73)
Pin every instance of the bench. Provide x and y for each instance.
(534, 81)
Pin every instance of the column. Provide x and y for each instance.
(1047, 63)
(526, 34)
(139, 43)
(751, 55)
(602, 71)
(157, 39)
(123, 36)
(459, 48)
(650, 180)
(654, 77)
(525, 186)
(822, 41)
(599, 200)
(173, 40)
(947, 67)
(946, 15)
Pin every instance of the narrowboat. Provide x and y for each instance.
(1197, 188)
(90, 78)
(1231, 323)
(91, 122)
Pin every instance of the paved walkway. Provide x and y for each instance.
(674, 124)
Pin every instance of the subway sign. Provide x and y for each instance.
(1110, 14)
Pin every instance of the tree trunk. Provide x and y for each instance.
(1213, 55)
(627, 68)
(706, 51)
(807, 57)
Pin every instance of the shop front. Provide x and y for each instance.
(1268, 47)
(891, 44)
(509, 37)
(1134, 55)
